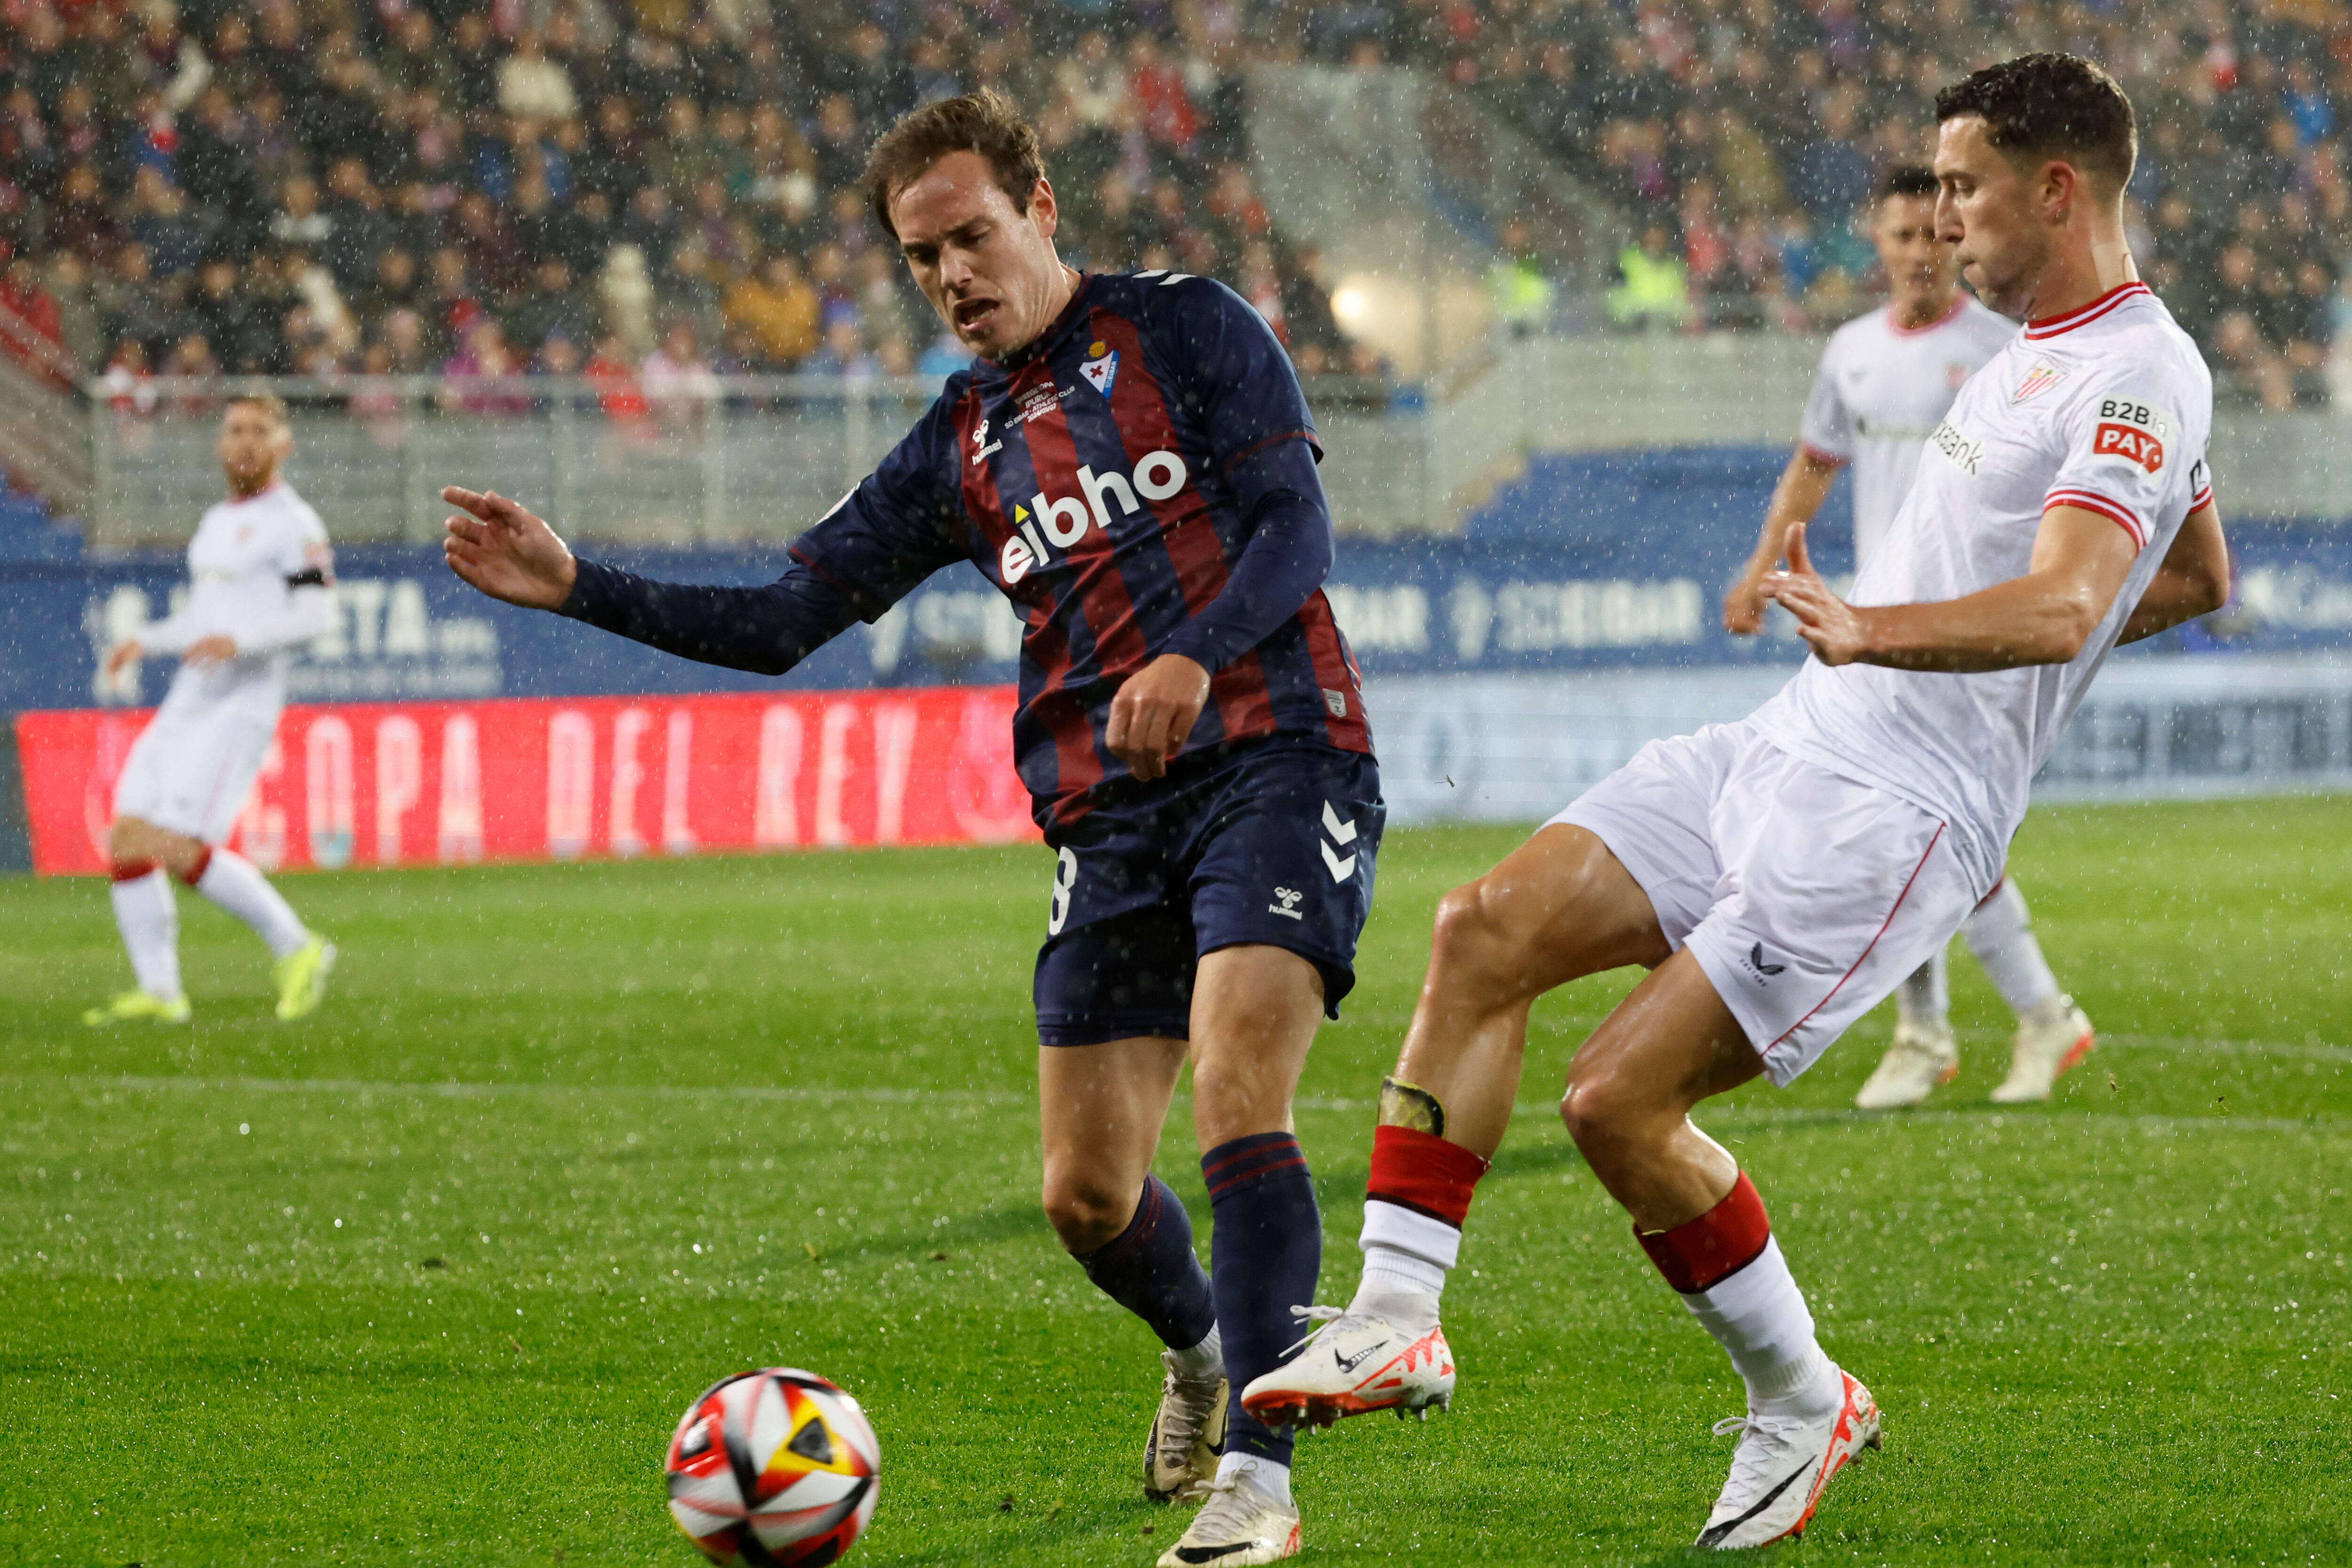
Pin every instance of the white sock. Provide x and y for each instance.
(149, 919)
(1406, 1257)
(236, 885)
(1926, 995)
(1206, 1358)
(1266, 1475)
(2000, 932)
(1759, 1317)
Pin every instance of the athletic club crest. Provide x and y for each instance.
(1102, 370)
(2038, 380)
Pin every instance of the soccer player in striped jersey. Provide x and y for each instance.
(1130, 461)
(1886, 381)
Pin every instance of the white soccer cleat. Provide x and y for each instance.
(1242, 1522)
(1920, 1059)
(2049, 1040)
(1188, 1433)
(1356, 1364)
(1780, 1468)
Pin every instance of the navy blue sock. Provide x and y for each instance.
(1150, 1269)
(1264, 1257)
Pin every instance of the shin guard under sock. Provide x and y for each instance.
(1733, 1278)
(1264, 1257)
(1150, 1269)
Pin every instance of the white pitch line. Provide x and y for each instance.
(1719, 1115)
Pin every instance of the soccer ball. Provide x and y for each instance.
(776, 1467)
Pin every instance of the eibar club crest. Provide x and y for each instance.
(2038, 380)
(1102, 370)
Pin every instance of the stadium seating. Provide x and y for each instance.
(575, 185)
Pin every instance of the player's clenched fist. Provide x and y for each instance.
(1154, 711)
(1836, 628)
(503, 550)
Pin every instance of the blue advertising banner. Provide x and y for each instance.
(1596, 562)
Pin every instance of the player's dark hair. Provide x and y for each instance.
(985, 122)
(2039, 107)
(1908, 180)
(273, 408)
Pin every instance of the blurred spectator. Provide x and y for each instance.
(780, 310)
(1654, 287)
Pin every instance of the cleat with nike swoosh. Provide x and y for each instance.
(1354, 1364)
(1243, 1522)
(1188, 1434)
(1782, 1466)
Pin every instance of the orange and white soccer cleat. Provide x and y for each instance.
(1781, 1466)
(1355, 1364)
(1919, 1058)
(2049, 1040)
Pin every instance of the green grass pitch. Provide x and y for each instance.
(429, 1277)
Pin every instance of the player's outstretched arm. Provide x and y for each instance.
(500, 548)
(1804, 486)
(846, 569)
(2193, 581)
(2080, 561)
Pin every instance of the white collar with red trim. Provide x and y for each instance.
(2083, 316)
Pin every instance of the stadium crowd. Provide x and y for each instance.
(658, 189)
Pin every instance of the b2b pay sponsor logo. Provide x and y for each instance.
(2131, 430)
(1045, 526)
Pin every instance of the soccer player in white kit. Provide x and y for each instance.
(1886, 382)
(1780, 876)
(261, 583)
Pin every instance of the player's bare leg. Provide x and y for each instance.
(145, 860)
(1558, 907)
(1630, 1089)
(1102, 1109)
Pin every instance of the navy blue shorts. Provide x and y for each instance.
(1269, 842)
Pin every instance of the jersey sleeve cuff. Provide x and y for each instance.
(1823, 454)
(2115, 512)
(2201, 500)
(592, 592)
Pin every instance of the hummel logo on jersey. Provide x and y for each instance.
(1045, 525)
(1103, 369)
(1964, 453)
(980, 439)
(1756, 962)
(2038, 380)
(1286, 904)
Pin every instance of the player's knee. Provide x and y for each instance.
(1084, 1211)
(1475, 936)
(1601, 1111)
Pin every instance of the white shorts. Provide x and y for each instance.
(1805, 897)
(193, 766)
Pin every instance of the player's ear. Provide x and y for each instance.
(1043, 210)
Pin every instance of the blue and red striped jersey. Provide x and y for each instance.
(1097, 480)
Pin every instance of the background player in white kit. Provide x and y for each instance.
(261, 583)
(1782, 875)
(1886, 382)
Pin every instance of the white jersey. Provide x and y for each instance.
(1881, 389)
(2109, 408)
(260, 571)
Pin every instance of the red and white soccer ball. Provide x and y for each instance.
(775, 1466)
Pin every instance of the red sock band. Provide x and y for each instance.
(1423, 1172)
(1702, 1253)
(196, 872)
(130, 870)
